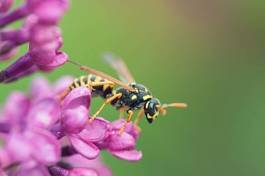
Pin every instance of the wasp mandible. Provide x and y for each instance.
(125, 94)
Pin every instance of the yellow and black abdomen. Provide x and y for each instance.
(99, 86)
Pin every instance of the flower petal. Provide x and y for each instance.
(95, 131)
(62, 84)
(36, 171)
(129, 155)
(88, 150)
(16, 140)
(49, 11)
(117, 124)
(74, 120)
(44, 113)
(77, 97)
(45, 147)
(82, 172)
(58, 60)
(95, 164)
(130, 127)
(15, 115)
(40, 88)
(121, 142)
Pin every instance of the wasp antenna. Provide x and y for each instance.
(164, 107)
(74, 63)
(176, 105)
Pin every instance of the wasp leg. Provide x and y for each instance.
(107, 101)
(138, 120)
(139, 117)
(63, 94)
(128, 120)
(122, 110)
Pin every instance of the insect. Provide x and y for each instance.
(124, 94)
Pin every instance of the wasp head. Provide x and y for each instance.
(151, 109)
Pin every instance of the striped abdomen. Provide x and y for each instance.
(100, 87)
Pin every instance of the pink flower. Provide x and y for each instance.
(103, 135)
(67, 145)
(40, 31)
(95, 164)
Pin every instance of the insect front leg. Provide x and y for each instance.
(106, 102)
(128, 120)
(139, 117)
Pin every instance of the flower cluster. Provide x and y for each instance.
(40, 31)
(45, 136)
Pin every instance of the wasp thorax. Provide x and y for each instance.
(151, 109)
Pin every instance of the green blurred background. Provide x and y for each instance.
(209, 54)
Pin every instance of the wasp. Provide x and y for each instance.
(125, 94)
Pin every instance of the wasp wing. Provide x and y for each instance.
(119, 65)
(101, 74)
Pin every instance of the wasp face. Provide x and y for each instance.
(151, 109)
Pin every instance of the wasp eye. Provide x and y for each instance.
(151, 110)
(150, 119)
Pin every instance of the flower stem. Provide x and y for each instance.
(17, 14)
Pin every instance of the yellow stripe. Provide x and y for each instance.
(82, 80)
(146, 97)
(88, 79)
(105, 87)
(75, 83)
(134, 97)
(97, 79)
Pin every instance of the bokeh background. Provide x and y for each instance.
(209, 54)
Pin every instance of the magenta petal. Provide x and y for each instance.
(57, 61)
(62, 84)
(15, 115)
(82, 172)
(94, 132)
(44, 113)
(74, 120)
(129, 155)
(88, 150)
(40, 88)
(18, 140)
(5, 159)
(45, 147)
(36, 171)
(117, 124)
(42, 34)
(78, 161)
(130, 127)
(49, 11)
(120, 142)
(2, 173)
(77, 97)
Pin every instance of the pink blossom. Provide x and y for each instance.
(40, 30)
